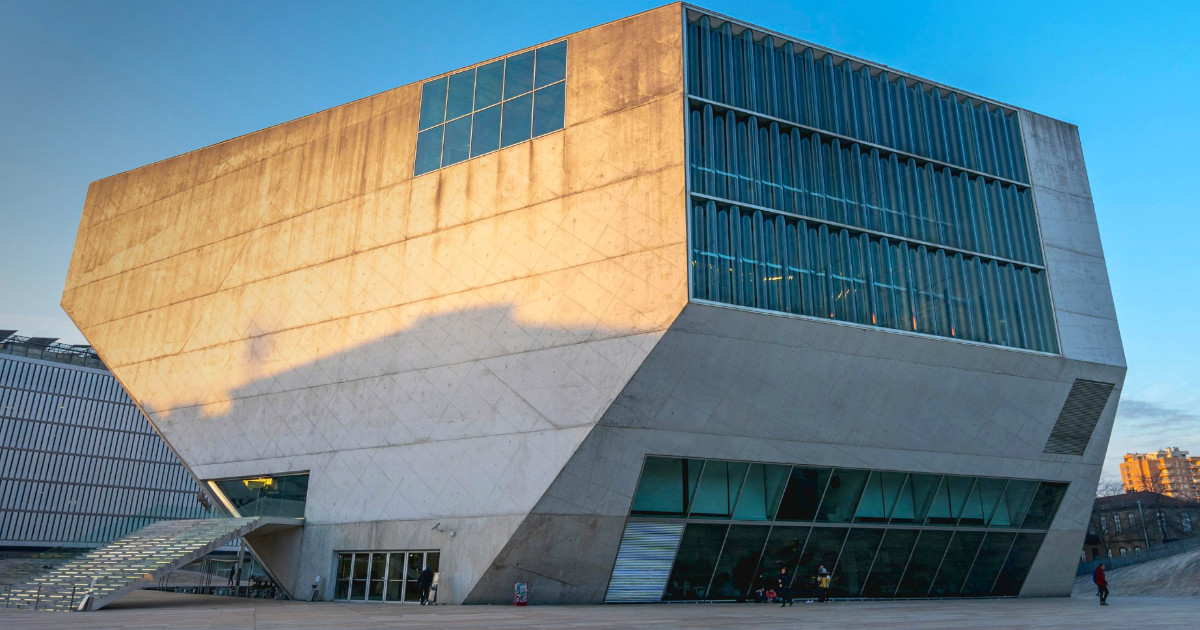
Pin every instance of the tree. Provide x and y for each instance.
(1109, 488)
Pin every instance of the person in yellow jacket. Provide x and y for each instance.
(823, 584)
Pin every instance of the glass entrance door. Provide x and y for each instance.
(382, 576)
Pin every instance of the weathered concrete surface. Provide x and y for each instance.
(1173, 576)
(496, 345)
(432, 349)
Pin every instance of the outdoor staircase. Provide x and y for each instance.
(127, 564)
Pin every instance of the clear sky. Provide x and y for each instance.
(89, 89)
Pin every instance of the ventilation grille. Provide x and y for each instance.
(644, 562)
(1078, 417)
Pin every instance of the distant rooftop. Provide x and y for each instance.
(48, 349)
(1147, 498)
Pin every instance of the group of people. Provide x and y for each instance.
(783, 592)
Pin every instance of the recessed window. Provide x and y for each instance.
(880, 533)
(499, 104)
(278, 495)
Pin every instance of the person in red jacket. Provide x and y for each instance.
(1101, 584)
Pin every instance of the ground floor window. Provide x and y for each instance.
(382, 576)
(705, 529)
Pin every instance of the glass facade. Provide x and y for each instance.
(382, 576)
(279, 495)
(831, 189)
(717, 530)
(483, 109)
(791, 82)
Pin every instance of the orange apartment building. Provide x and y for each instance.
(1169, 471)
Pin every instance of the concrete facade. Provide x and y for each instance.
(496, 345)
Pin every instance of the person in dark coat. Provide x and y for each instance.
(785, 587)
(1101, 584)
(425, 582)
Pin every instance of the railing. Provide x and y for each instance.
(43, 597)
(1172, 548)
(17, 592)
(107, 532)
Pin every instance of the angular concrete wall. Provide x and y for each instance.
(431, 348)
(495, 346)
(733, 384)
(727, 383)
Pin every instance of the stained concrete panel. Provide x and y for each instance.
(430, 349)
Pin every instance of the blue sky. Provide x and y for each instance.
(89, 89)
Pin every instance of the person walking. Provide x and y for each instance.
(1101, 584)
(822, 584)
(424, 583)
(785, 587)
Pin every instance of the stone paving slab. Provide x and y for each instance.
(169, 611)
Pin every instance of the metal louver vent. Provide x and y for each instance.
(1078, 417)
(644, 562)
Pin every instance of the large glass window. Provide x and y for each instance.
(826, 188)
(893, 556)
(784, 548)
(823, 548)
(694, 563)
(758, 258)
(803, 494)
(498, 104)
(1017, 564)
(1011, 509)
(879, 533)
(761, 492)
(792, 82)
(739, 558)
(988, 562)
(278, 495)
(1044, 505)
(879, 497)
(916, 495)
(746, 160)
(855, 562)
(718, 489)
(957, 561)
(923, 566)
(949, 500)
(841, 499)
(666, 486)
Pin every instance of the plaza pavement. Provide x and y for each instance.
(151, 609)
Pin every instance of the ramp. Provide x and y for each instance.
(137, 560)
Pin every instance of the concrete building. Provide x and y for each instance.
(79, 464)
(1169, 471)
(642, 313)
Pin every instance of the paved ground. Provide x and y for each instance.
(149, 609)
(1173, 576)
